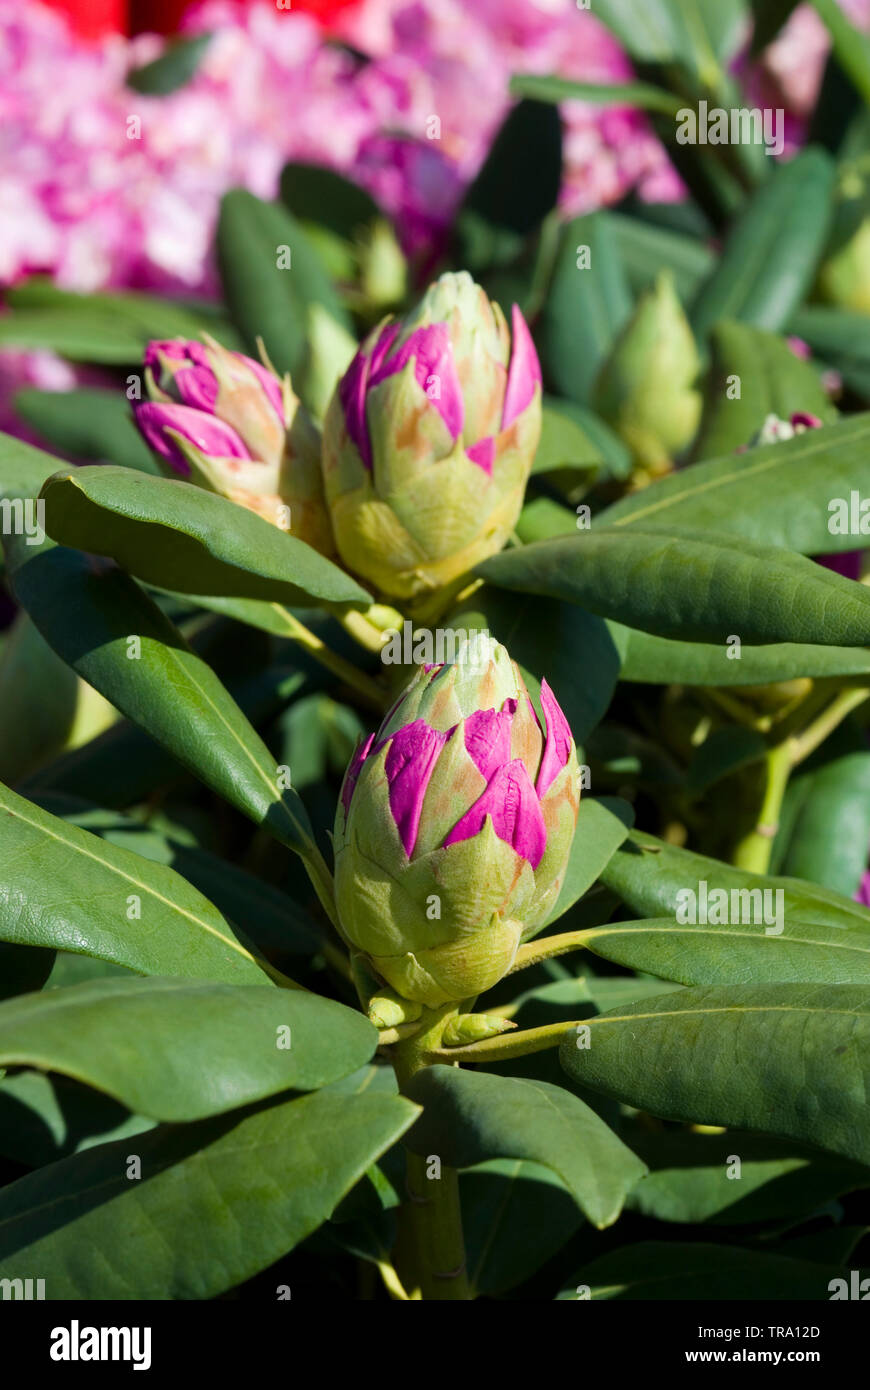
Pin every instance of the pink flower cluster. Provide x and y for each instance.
(102, 186)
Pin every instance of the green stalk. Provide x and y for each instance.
(430, 1221)
(368, 689)
(753, 851)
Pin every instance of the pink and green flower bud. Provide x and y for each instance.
(429, 440)
(231, 425)
(454, 828)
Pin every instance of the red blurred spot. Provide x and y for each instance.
(164, 16)
(91, 19)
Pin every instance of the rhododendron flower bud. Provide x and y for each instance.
(231, 425)
(454, 828)
(429, 440)
(646, 388)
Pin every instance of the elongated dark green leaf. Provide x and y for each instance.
(661, 660)
(777, 494)
(571, 649)
(44, 1118)
(174, 68)
(68, 890)
(602, 826)
(218, 1200)
(178, 536)
(211, 1047)
(473, 1116)
(266, 915)
(850, 45)
(661, 1270)
(515, 1216)
(87, 424)
(690, 584)
(769, 258)
(693, 1178)
(787, 1059)
(648, 874)
(271, 278)
(587, 305)
(89, 615)
(840, 338)
(32, 732)
(825, 826)
(23, 469)
(690, 32)
(740, 950)
(644, 95)
(145, 315)
(645, 249)
(88, 335)
(772, 381)
(315, 194)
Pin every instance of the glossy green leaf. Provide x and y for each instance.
(661, 660)
(211, 1047)
(88, 615)
(221, 1199)
(772, 381)
(764, 947)
(786, 1059)
(586, 307)
(33, 732)
(693, 1178)
(178, 536)
(470, 1117)
(515, 1216)
(44, 1118)
(690, 584)
(67, 890)
(145, 315)
(769, 258)
(87, 335)
(268, 916)
(776, 494)
(687, 1271)
(648, 874)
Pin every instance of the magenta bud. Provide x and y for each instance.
(159, 423)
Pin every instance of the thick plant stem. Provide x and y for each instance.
(430, 1220)
(754, 850)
